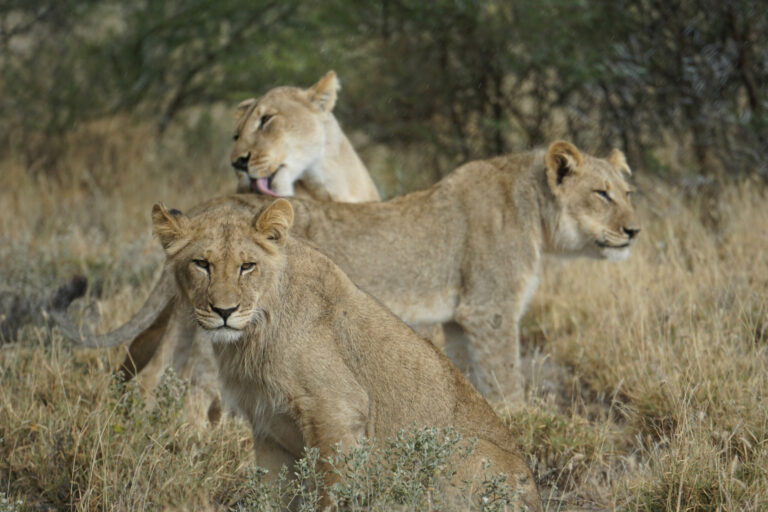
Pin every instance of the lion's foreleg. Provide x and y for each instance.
(494, 349)
(200, 369)
(329, 422)
(272, 456)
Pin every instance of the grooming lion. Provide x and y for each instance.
(288, 143)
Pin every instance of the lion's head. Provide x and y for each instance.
(280, 135)
(226, 261)
(595, 215)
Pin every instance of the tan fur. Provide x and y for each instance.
(468, 250)
(306, 356)
(292, 136)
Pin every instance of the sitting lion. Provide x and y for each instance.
(306, 356)
(288, 143)
(466, 251)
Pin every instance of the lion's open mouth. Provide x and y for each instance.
(264, 185)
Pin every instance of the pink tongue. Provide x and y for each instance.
(262, 185)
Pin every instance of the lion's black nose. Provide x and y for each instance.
(241, 163)
(224, 313)
(631, 232)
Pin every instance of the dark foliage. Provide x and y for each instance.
(462, 78)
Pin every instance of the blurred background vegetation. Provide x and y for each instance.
(680, 86)
(646, 380)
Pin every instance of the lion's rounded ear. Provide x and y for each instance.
(275, 221)
(243, 107)
(171, 228)
(323, 94)
(617, 159)
(563, 159)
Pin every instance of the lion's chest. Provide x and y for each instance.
(251, 393)
(253, 403)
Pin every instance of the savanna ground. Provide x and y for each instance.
(647, 379)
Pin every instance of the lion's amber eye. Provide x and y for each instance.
(247, 267)
(203, 264)
(265, 119)
(604, 195)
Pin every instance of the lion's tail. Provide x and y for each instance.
(162, 294)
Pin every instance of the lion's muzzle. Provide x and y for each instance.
(241, 163)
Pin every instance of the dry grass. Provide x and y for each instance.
(674, 343)
(647, 379)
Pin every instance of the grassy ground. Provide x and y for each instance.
(647, 380)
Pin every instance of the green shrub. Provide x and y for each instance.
(410, 471)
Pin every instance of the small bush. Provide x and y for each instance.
(411, 471)
(8, 506)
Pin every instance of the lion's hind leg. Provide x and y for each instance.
(489, 460)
